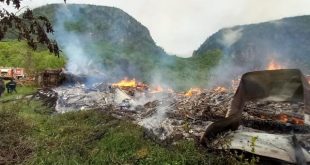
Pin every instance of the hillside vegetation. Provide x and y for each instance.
(124, 47)
(19, 54)
(176, 72)
(253, 46)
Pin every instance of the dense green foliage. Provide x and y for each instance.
(104, 27)
(32, 29)
(18, 54)
(188, 72)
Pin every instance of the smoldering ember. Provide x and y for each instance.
(265, 106)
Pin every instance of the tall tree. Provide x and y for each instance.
(33, 29)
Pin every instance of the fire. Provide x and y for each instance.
(193, 91)
(283, 118)
(133, 86)
(273, 65)
(126, 83)
(157, 89)
(290, 119)
(220, 89)
(298, 121)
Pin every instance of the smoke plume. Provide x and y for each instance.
(73, 43)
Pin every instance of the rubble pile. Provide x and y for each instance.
(80, 97)
(172, 115)
(275, 117)
(283, 111)
(48, 96)
(169, 116)
(208, 105)
(188, 116)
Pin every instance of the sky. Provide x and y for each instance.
(181, 26)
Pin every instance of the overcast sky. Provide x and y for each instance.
(181, 26)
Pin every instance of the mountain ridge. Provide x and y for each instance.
(285, 40)
(123, 47)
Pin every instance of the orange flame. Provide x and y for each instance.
(290, 119)
(157, 89)
(273, 65)
(193, 91)
(283, 118)
(126, 83)
(298, 121)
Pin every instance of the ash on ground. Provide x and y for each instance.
(172, 115)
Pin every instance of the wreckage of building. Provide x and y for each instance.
(269, 106)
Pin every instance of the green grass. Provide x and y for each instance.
(18, 54)
(85, 137)
(33, 134)
(21, 91)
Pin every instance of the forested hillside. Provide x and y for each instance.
(253, 46)
(123, 46)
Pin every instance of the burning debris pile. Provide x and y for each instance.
(206, 105)
(165, 113)
(190, 114)
(283, 112)
(171, 116)
(174, 114)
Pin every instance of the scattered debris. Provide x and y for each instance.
(48, 96)
(51, 78)
(171, 116)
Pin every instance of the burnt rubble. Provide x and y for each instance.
(48, 96)
(80, 97)
(174, 114)
(170, 116)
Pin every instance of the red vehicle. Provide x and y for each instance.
(10, 72)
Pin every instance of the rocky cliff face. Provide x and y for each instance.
(103, 24)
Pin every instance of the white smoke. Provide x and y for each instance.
(181, 26)
(226, 70)
(230, 36)
(80, 61)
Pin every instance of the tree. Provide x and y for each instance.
(33, 29)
